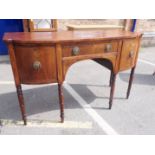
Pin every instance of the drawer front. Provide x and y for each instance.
(36, 64)
(128, 54)
(88, 48)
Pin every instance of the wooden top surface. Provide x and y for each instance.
(67, 36)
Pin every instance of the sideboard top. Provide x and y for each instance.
(67, 36)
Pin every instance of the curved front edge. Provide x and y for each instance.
(35, 63)
(108, 61)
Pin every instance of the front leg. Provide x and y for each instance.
(113, 79)
(21, 103)
(61, 101)
(130, 82)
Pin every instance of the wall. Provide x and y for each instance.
(147, 27)
(63, 22)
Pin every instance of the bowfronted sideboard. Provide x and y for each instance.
(44, 57)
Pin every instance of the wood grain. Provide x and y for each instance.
(27, 55)
(45, 57)
(68, 36)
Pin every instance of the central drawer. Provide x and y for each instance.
(36, 64)
(89, 48)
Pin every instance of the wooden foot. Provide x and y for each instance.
(61, 102)
(130, 82)
(112, 90)
(21, 103)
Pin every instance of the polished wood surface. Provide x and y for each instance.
(90, 48)
(68, 36)
(128, 55)
(45, 57)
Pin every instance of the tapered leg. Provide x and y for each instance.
(112, 90)
(21, 103)
(111, 77)
(61, 102)
(130, 82)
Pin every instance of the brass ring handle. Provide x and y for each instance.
(36, 65)
(108, 48)
(75, 50)
(131, 54)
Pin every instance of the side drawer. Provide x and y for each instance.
(128, 54)
(36, 63)
(89, 48)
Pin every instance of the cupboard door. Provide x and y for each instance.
(36, 64)
(128, 54)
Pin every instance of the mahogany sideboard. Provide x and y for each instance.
(44, 57)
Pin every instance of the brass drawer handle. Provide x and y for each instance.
(108, 48)
(36, 65)
(131, 54)
(75, 50)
